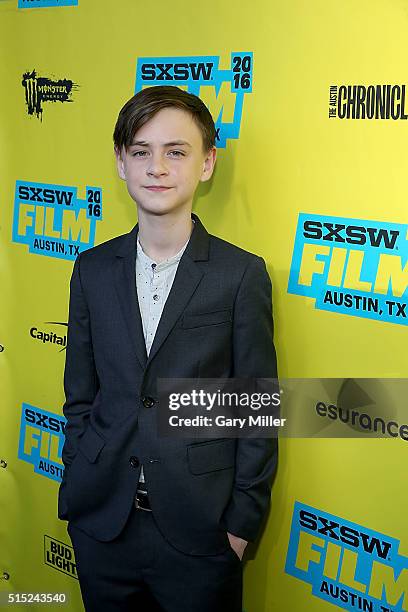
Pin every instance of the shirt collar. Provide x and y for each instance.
(147, 261)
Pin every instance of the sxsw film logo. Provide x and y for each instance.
(352, 266)
(41, 441)
(53, 221)
(42, 89)
(59, 556)
(221, 89)
(44, 3)
(348, 565)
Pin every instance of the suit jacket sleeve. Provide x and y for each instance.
(253, 357)
(80, 378)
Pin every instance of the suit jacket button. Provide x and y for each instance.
(134, 462)
(148, 402)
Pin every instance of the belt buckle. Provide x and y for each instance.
(138, 506)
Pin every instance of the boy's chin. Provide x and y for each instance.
(158, 210)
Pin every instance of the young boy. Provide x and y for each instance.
(150, 516)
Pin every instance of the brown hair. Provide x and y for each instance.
(149, 101)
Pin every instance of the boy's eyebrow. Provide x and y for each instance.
(143, 143)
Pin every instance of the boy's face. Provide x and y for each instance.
(167, 152)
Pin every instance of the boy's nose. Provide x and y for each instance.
(157, 166)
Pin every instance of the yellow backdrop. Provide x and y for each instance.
(309, 99)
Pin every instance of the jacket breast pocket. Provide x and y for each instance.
(211, 456)
(91, 444)
(206, 318)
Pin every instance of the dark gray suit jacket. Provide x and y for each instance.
(216, 322)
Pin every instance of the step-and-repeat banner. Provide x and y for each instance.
(309, 100)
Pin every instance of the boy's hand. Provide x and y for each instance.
(237, 544)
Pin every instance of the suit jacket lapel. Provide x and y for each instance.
(187, 278)
(125, 284)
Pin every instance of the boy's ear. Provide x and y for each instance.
(209, 164)
(119, 163)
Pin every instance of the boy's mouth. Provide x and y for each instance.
(157, 188)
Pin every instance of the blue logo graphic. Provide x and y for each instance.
(348, 565)
(44, 3)
(222, 90)
(53, 221)
(41, 441)
(352, 266)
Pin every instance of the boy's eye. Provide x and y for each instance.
(178, 153)
(137, 153)
(142, 153)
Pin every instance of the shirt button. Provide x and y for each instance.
(156, 297)
(134, 462)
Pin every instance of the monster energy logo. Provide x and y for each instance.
(41, 89)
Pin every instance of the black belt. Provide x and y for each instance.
(141, 500)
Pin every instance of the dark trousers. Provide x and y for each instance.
(139, 571)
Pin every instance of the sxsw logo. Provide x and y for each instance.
(221, 89)
(41, 441)
(53, 221)
(348, 565)
(44, 3)
(352, 266)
